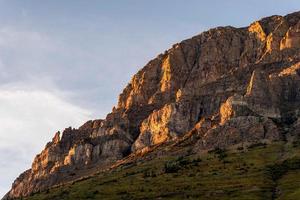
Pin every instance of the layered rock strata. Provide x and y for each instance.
(227, 85)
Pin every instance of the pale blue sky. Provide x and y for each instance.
(92, 48)
(65, 61)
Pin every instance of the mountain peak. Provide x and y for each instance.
(223, 87)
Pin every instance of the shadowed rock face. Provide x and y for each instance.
(227, 85)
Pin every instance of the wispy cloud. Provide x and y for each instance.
(23, 52)
(29, 118)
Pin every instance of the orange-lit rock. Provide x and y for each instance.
(225, 86)
(292, 38)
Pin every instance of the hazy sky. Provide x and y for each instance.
(65, 61)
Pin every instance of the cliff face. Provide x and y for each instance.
(226, 86)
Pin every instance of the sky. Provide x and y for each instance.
(63, 62)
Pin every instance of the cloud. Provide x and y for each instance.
(43, 58)
(24, 52)
(28, 120)
(11, 37)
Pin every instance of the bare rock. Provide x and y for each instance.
(226, 86)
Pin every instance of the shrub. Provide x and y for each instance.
(240, 148)
(149, 173)
(181, 162)
(260, 144)
(172, 167)
(221, 153)
(276, 171)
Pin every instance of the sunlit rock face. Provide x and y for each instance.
(231, 73)
(227, 86)
(291, 38)
(167, 123)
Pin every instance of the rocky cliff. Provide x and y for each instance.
(220, 88)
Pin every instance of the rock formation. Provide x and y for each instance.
(227, 86)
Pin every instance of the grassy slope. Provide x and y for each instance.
(255, 173)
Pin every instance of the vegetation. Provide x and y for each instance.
(260, 172)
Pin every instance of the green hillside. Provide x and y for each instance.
(257, 172)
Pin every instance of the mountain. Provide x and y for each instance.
(224, 88)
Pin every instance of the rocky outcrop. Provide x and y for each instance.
(291, 38)
(239, 130)
(226, 86)
(167, 123)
